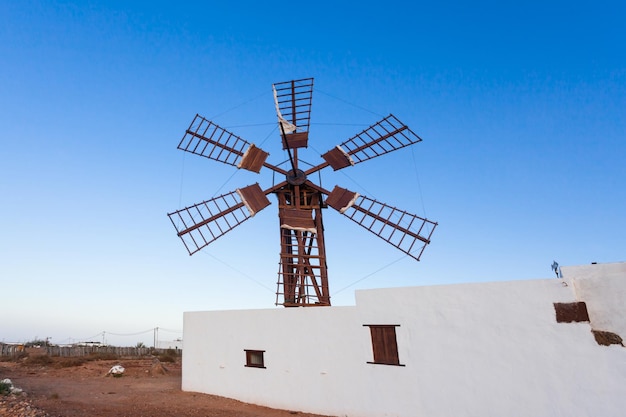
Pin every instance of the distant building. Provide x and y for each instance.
(90, 344)
(170, 344)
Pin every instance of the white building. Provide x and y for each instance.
(176, 344)
(519, 348)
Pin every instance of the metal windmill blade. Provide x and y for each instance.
(207, 139)
(407, 232)
(385, 136)
(303, 274)
(293, 107)
(201, 224)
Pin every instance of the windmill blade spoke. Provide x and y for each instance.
(386, 136)
(207, 139)
(293, 108)
(201, 224)
(407, 232)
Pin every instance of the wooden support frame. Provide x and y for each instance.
(302, 275)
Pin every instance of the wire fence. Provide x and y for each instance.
(11, 350)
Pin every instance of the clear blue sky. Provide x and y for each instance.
(522, 109)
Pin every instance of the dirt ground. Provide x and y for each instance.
(148, 388)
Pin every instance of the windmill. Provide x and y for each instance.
(302, 275)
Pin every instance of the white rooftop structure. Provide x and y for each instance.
(517, 348)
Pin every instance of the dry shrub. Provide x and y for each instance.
(167, 357)
(38, 360)
(157, 368)
(70, 362)
(105, 356)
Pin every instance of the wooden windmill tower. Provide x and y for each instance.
(302, 275)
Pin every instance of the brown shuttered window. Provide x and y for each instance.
(384, 344)
(254, 358)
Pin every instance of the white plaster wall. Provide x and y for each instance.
(306, 354)
(602, 288)
(495, 349)
(491, 349)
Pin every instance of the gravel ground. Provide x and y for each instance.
(19, 405)
(148, 388)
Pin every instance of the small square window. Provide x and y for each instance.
(384, 344)
(254, 358)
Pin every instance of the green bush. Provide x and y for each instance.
(5, 388)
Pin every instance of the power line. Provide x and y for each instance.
(370, 274)
(238, 271)
(348, 102)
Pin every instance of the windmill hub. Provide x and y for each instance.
(297, 177)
